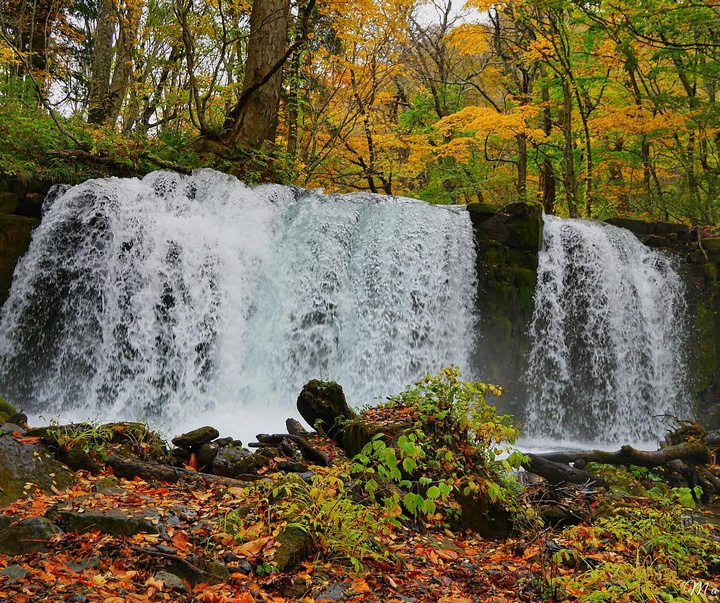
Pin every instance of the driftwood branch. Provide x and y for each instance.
(310, 454)
(558, 473)
(688, 452)
(127, 468)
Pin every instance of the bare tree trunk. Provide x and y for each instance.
(252, 121)
(101, 63)
(570, 179)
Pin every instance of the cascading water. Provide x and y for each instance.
(185, 300)
(607, 337)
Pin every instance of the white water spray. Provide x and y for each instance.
(191, 300)
(608, 337)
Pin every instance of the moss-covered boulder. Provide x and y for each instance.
(233, 462)
(7, 409)
(480, 515)
(295, 545)
(195, 438)
(322, 404)
(199, 571)
(31, 534)
(25, 467)
(100, 511)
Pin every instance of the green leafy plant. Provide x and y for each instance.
(457, 447)
(340, 527)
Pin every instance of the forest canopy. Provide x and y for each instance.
(593, 109)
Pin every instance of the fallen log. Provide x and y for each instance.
(129, 469)
(688, 452)
(558, 473)
(312, 455)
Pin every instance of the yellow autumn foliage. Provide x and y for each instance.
(483, 121)
(469, 39)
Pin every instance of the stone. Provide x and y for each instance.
(7, 408)
(295, 545)
(12, 428)
(231, 462)
(171, 581)
(109, 481)
(79, 459)
(489, 520)
(526, 232)
(294, 427)
(201, 572)
(635, 226)
(23, 464)
(14, 573)
(31, 534)
(84, 564)
(711, 245)
(292, 466)
(8, 202)
(195, 438)
(334, 592)
(322, 404)
(77, 516)
(206, 454)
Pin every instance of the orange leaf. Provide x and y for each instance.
(447, 554)
(252, 548)
(359, 585)
(180, 540)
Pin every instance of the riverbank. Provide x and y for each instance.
(401, 521)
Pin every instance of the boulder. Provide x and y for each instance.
(489, 520)
(322, 404)
(200, 571)
(77, 516)
(295, 545)
(231, 462)
(31, 534)
(171, 581)
(7, 408)
(195, 438)
(206, 454)
(24, 467)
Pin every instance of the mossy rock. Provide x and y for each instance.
(201, 571)
(107, 521)
(357, 433)
(323, 405)
(492, 252)
(483, 208)
(706, 352)
(525, 281)
(8, 202)
(489, 520)
(31, 534)
(711, 245)
(195, 438)
(22, 464)
(295, 545)
(232, 462)
(634, 226)
(6, 408)
(525, 232)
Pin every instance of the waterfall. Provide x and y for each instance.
(186, 300)
(607, 335)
